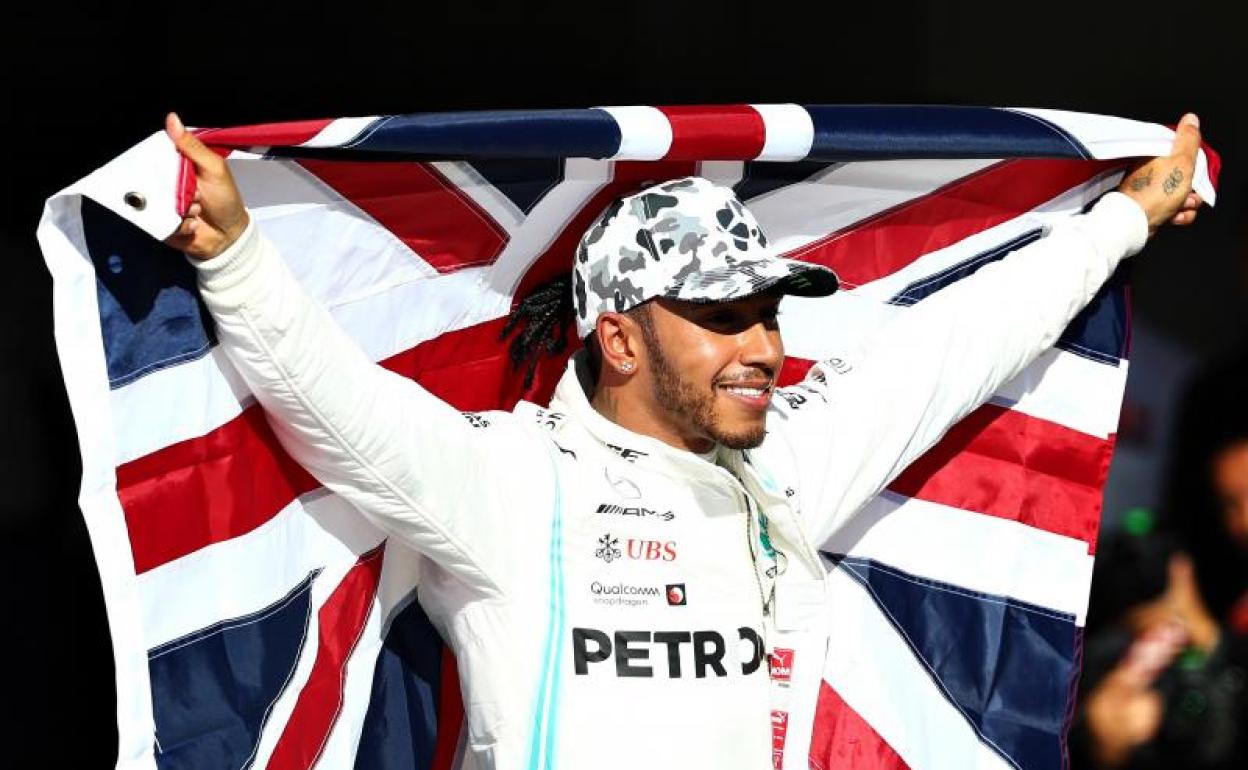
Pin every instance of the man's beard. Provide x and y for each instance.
(684, 399)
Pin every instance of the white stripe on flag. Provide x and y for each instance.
(971, 550)
(645, 132)
(789, 131)
(1068, 389)
(340, 132)
(153, 410)
(254, 570)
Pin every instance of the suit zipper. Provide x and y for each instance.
(751, 542)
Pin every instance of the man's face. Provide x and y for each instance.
(1230, 481)
(713, 367)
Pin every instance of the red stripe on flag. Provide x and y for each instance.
(886, 242)
(185, 186)
(263, 134)
(420, 207)
(341, 623)
(1214, 162)
(206, 490)
(720, 132)
(1011, 465)
(793, 371)
(450, 714)
(842, 740)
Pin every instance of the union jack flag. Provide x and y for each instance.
(259, 621)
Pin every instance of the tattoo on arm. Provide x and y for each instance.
(1173, 180)
(1142, 181)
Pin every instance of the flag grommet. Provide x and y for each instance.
(136, 201)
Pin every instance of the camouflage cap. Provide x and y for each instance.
(688, 239)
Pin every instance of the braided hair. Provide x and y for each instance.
(545, 316)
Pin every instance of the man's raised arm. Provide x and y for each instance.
(411, 462)
(947, 355)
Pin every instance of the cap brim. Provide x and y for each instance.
(807, 280)
(801, 279)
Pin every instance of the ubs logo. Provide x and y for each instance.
(608, 549)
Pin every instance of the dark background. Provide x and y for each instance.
(82, 82)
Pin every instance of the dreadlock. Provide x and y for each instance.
(546, 314)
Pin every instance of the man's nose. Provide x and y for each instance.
(762, 347)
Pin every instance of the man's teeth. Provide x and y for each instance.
(750, 392)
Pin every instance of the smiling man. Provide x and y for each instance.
(697, 252)
(613, 570)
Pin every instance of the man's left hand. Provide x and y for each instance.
(1163, 186)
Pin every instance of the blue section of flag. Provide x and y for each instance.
(524, 181)
(1006, 665)
(866, 132)
(151, 316)
(1100, 331)
(212, 690)
(401, 725)
(514, 133)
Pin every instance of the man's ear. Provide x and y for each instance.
(619, 339)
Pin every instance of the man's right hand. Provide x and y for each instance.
(217, 216)
(1163, 186)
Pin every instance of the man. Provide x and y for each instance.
(612, 571)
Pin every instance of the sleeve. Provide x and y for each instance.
(862, 422)
(421, 470)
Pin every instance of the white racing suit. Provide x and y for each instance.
(612, 600)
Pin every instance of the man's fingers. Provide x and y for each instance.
(1183, 218)
(205, 160)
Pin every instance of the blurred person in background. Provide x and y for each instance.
(1164, 682)
(1166, 661)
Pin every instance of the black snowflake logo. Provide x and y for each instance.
(608, 552)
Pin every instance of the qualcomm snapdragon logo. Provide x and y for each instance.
(623, 594)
